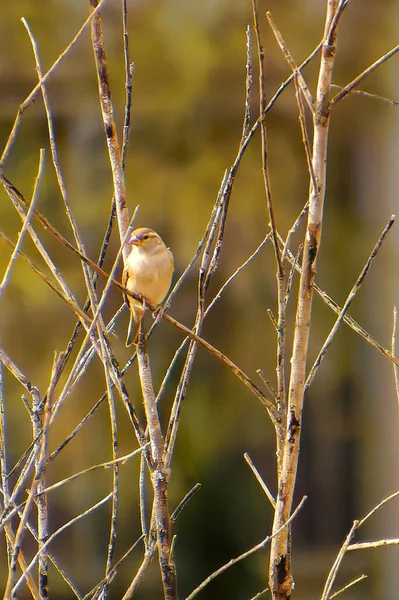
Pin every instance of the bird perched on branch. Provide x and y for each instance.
(148, 273)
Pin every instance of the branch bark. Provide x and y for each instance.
(159, 474)
(280, 572)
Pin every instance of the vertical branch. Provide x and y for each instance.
(17, 540)
(393, 349)
(281, 579)
(281, 307)
(159, 474)
(41, 502)
(265, 170)
(249, 79)
(40, 426)
(129, 70)
(115, 477)
(107, 110)
(5, 491)
(209, 264)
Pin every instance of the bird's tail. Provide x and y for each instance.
(136, 314)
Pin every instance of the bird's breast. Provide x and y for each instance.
(150, 275)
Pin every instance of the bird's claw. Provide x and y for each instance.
(158, 313)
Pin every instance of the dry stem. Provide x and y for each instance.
(280, 576)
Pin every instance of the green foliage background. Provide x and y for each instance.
(188, 99)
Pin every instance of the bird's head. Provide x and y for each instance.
(145, 239)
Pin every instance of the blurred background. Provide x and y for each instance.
(188, 100)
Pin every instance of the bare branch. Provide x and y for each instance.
(260, 480)
(348, 585)
(337, 563)
(234, 561)
(26, 221)
(280, 576)
(348, 88)
(375, 544)
(54, 535)
(347, 304)
(29, 99)
(298, 75)
(393, 344)
(114, 150)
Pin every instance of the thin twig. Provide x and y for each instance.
(286, 83)
(337, 563)
(17, 373)
(30, 98)
(305, 135)
(235, 273)
(280, 275)
(348, 302)
(265, 170)
(374, 544)
(38, 457)
(286, 244)
(260, 594)
(95, 309)
(291, 275)
(260, 480)
(347, 586)
(254, 549)
(393, 345)
(224, 359)
(54, 535)
(208, 265)
(183, 502)
(350, 86)
(129, 70)
(5, 490)
(142, 496)
(26, 221)
(266, 382)
(121, 460)
(148, 556)
(97, 589)
(369, 95)
(204, 275)
(60, 179)
(248, 85)
(58, 484)
(73, 304)
(347, 318)
(298, 75)
(377, 507)
(347, 546)
(90, 332)
(100, 261)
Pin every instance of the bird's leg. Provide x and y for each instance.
(158, 314)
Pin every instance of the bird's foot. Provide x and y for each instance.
(158, 314)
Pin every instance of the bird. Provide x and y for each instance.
(148, 272)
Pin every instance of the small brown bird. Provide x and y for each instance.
(148, 273)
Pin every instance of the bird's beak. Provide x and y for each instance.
(134, 241)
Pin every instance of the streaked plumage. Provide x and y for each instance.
(148, 273)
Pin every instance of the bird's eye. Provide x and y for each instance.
(145, 237)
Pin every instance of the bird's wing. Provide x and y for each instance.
(172, 257)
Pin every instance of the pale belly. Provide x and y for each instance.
(150, 278)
